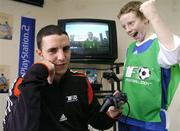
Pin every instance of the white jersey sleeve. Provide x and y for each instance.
(169, 57)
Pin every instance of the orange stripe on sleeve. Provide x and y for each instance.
(82, 75)
(16, 90)
(90, 93)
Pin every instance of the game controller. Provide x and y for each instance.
(110, 75)
(114, 100)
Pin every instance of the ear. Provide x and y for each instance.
(39, 52)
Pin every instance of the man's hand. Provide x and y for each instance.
(148, 9)
(113, 111)
(51, 70)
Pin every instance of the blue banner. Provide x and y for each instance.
(26, 50)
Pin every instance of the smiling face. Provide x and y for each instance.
(56, 49)
(135, 27)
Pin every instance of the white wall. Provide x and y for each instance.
(174, 112)
(57, 9)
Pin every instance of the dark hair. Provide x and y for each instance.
(46, 31)
(132, 6)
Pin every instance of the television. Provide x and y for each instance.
(91, 40)
(32, 2)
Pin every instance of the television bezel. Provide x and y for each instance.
(32, 2)
(107, 59)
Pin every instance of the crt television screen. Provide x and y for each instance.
(91, 40)
(88, 38)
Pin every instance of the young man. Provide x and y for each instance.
(148, 79)
(52, 98)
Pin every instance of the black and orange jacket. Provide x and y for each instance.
(66, 105)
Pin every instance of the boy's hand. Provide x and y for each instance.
(148, 9)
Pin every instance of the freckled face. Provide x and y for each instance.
(56, 49)
(134, 26)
